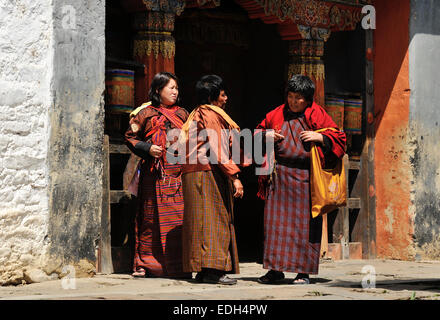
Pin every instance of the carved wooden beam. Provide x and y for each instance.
(318, 14)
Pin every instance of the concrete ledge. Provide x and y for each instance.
(334, 251)
(355, 249)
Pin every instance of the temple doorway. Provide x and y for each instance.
(251, 58)
(254, 57)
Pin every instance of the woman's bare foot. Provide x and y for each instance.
(139, 273)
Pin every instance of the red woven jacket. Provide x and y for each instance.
(316, 118)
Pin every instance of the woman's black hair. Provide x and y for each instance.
(208, 89)
(302, 85)
(159, 81)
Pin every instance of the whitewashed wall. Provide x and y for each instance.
(52, 60)
(26, 57)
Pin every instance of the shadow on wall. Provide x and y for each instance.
(390, 50)
(394, 226)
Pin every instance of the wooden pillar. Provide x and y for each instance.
(154, 46)
(105, 263)
(306, 58)
(368, 152)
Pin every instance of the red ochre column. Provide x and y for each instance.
(154, 46)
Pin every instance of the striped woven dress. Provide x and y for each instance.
(209, 233)
(158, 227)
(292, 236)
(208, 229)
(159, 218)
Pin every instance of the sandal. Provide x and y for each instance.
(199, 277)
(301, 279)
(271, 277)
(218, 279)
(139, 273)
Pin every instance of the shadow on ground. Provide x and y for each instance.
(395, 285)
(286, 280)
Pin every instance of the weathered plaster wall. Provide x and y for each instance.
(424, 120)
(52, 60)
(393, 171)
(25, 78)
(76, 136)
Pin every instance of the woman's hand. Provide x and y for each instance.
(238, 188)
(311, 136)
(156, 151)
(275, 135)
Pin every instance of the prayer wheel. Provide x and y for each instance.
(335, 108)
(353, 116)
(119, 85)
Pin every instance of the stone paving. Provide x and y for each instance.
(337, 280)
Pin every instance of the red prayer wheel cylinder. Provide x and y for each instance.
(335, 109)
(119, 85)
(353, 116)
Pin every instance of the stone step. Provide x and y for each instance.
(335, 251)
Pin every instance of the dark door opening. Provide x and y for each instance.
(345, 65)
(251, 58)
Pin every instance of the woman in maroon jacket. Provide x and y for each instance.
(158, 226)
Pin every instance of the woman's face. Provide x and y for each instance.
(169, 93)
(297, 103)
(221, 100)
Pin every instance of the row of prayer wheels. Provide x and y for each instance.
(346, 111)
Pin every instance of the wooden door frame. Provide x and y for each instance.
(368, 152)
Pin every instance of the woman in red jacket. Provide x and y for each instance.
(292, 236)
